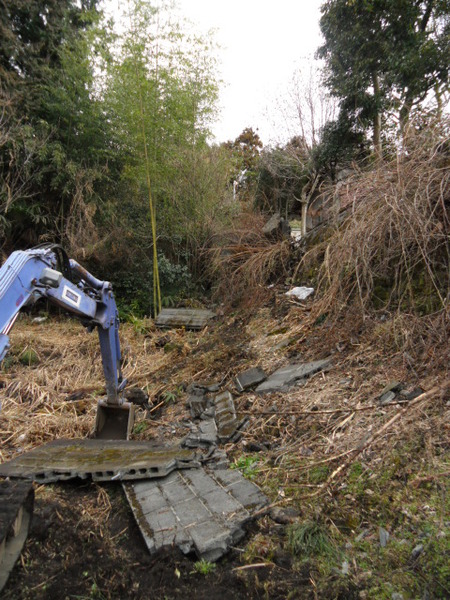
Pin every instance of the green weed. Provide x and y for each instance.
(204, 567)
(247, 465)
(29, 357)
(310, 539)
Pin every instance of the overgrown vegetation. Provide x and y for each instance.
(80, 107)
(391, 251)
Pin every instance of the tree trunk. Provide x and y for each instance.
(404, 114)
(377, 119)
(304, 211)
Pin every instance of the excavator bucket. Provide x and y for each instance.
(114, 421)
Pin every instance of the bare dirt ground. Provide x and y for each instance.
(339, 468)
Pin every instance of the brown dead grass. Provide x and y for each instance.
(392, 249)
(243, 262)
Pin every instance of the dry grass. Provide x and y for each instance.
(327, 448)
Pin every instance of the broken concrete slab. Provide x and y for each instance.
(16, 509)
(219, 422)
(198, 510)
(287, 376)
(198, 405)
(202, 435)
(225, 416)
(101, 460)
(189, 318)
(249, 378)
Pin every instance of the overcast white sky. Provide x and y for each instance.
(262, 43)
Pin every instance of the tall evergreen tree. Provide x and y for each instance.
(384, 55)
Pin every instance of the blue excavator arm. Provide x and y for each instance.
(47, 272)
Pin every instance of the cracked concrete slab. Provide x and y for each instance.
(198, 510)
(101, 460)
(287, 376)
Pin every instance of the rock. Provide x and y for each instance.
(305, 451)
(276, 227)
(39, 320)
(283, 559)
(136, 396)
(393, 386)
(254, 447)
(345, 569)
(410, 394)
(212, 387)
(397, 596)
(386, 398)
(281, 345)
(384, 537)
(283, 516)
(389, 392)
(417, 551)
(364, 533)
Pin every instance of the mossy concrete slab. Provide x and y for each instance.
(100, 460)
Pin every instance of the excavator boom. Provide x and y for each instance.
(46, 272)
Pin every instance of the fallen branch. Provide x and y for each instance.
(323, 412)
(254, 566)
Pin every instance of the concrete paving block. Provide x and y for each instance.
(191, 512)
(220, 502)
(162, 519)
(287, 376)
(200, 480)
(177, 491)
(249, 378)
(151, 500)
(211, 540)
(228, 477)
